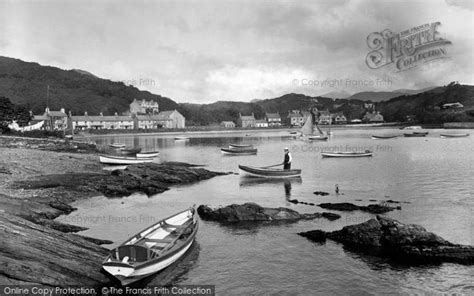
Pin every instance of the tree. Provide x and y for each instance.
(10, 112)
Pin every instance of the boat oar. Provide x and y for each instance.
(271, 166)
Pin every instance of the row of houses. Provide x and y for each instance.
(59, 120)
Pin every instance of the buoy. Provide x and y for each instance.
(337, 189)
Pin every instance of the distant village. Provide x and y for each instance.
(146, 115)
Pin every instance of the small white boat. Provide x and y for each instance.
(241, 146)
(154, 248)
(268, 172)
(412, 127)
(454, 135)
(117, 145)
(148, 154)
(239, 151)
(366, 153)
(317, 138)
(374, 137)
(122, 160)
(181, 138)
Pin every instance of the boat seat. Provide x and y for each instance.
(125, 259)
(158, 240)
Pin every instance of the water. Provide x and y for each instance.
(431, 176)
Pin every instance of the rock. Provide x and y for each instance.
(330, 216)
(253, 212)
(390, 238)
(39, 255)
(345, 206)
(322, 193)
(294, 201)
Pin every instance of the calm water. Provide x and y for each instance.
(434, 176)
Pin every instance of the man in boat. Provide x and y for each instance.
(287, 160)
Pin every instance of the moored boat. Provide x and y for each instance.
(415, 135)
(154, 248)
(241, 146)
(121, 160)
(383, 137)
(181, 138)
(239, 151)
(129, 151)
(411, 127)
(454, 135)
(421, 133)
(366, 153)
(117, 145)
(317, 138)
(268, 172)
(147, 154)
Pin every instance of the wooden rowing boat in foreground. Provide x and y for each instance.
(454, 135)
(239, 151)
(121, 160)
(154, 248)
(366, 153)
(268, 172)
(383, 137)
(147, 154)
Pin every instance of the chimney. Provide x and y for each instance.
(116, 114)
(62, 110)
(85, 113)
(47, 110)
(101, 114)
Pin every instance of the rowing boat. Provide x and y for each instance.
(109, 159)
(240, 146)
(117, 145)
(154, 248)
(383, 137)
(454, 135)
(318, 138)
(129, 151)
(421, 133)
(147, 154)
(239, 151)
(366, 153)
(412, 127)
(181, 138)
(415, 135)
(268, 173)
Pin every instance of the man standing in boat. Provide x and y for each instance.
(287, 160)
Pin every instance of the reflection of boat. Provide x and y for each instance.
(239, 151)
(240, 146)
(415, 135)
(148, 154)
(109, 159)
(117, 145)
(421, 133)
(384, 137)
(249, 181)
(181, 138)
(366, 153)
(154, 248)
(308, 131)
(454, 135)
(269, 173)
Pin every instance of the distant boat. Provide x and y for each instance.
(411, 127)
(421, 133)
(153, 249)
(181, 138)
(269, 172)
(117, 145)
(383, 137)
(308, 131)
(239, 151)
(129, 151)
(415, 135)
(366, 153)
(454, 135)
(293, 133)
(121, 160)
(240, 146)
(148, 154)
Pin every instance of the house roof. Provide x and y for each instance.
(260, 121)
(40, 117)
(228, 122)
(273, 115)
(247, 117)
(163, 115)
(151, 117)
(324, 112)
(55, 114)
(292, 115)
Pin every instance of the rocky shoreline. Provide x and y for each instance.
(37, 186)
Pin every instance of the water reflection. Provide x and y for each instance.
(287, 183)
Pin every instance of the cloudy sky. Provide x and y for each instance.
(204, 51)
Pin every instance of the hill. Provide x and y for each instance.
(26, 83)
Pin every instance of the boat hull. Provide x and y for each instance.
(268, 173)
(346, 154)
(181, 138)
(383, 137)
(117, 145)
(117, 160)
(454, 135)
(234, 151)
(414, 135)
(318, 138)
(241, 146)
(147, 154)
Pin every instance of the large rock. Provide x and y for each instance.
(346, 206)
(388, 237)
(254, 212)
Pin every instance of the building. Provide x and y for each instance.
(356, 121)
(324, 117)
(339, 118)
(171, 119)
(144, 107)
(273, 119)
(453, 105)
(373, 117)
(53, 120)
(261, 123)
(102, 122)
(246, 121)
(227, 124)
(147, 122)
(295, 118)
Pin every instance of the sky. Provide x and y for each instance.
(211, 50)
